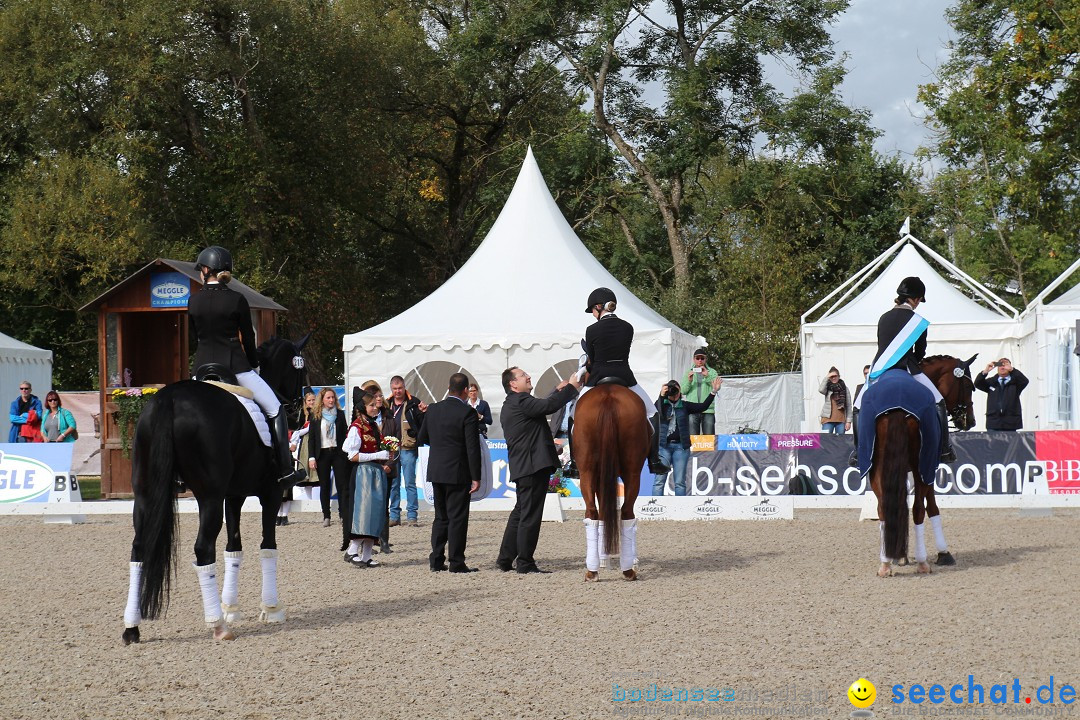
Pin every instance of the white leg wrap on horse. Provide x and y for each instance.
(628, 549)
(592, 553)
(920, 543)
(600, 548)
(132, 616)
(881, 532)
(211, 600)
(268, 560)
(231, 582)
(365, 549)
(939, 534)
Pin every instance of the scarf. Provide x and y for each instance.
(839, 393)
(329, 428)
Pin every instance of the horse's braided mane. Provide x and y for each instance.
(933, 358)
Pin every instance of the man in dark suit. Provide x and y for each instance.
(1003, 413)
(532, 457)
(452, 430)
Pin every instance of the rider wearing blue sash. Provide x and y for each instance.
(220, 320)
(607, 347)
(902, 344)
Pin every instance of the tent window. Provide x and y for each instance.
(1064, 380)
(553, 376)
(428, 382)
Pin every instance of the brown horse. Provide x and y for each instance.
(896, 453)
(611, 438)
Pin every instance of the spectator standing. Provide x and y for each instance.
(407, 414)
(858, 392)
(483, 410)
(57, 424)
(25, 411)
(451, 428)
(836, 412)
(386, 427)
(673, 412)
(697, 386)
(1003, 412)
(532, 458)
(325, 454)
(367, 510)
(298, 445)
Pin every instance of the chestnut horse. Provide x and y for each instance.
(896, 453)
(611, 438)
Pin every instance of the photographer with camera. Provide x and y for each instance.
(673, 416)
(698, 381)
(1003, 413)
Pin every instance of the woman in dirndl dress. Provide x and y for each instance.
(363, 446)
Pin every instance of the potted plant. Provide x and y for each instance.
(129, 406)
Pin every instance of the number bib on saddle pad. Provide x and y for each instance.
(896, 389)
(244, 396)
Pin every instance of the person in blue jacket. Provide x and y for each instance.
(20, 411)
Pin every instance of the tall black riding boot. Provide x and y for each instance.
(853, 460)
(656, 465)
(947, 454)
(279, 430)
(570, 469)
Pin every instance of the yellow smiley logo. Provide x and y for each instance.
(862, 693)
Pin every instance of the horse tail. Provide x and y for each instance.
(155, 520)
(607, 475)
(894, 484)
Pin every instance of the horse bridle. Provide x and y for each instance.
(959, 411)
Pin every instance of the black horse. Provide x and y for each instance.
(198, 434)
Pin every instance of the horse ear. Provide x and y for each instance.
(970, 360)
(302, 342)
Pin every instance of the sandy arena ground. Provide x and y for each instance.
(789, 608)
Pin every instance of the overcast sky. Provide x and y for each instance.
(893, 46)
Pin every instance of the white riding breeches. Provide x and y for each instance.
(264, 396)
(650, 407)
(922, 380)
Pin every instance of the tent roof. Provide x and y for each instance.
(1069, 297)
(526, 284)
(12, 348)
(944, 305)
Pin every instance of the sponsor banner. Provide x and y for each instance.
(29, 472)
(501, 487)
(715, 508)
(169, 289)
(999, 463)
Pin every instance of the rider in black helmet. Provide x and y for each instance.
(607, 346)
(220, 321)
(902, 343)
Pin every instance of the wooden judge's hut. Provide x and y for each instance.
(143, 343)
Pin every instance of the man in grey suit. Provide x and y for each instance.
(532, 458)
(452, 430)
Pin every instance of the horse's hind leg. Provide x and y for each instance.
(210, 516)
(592, 530)
(132, 615)
(234, 558)
(628, 526)
(944, 556)
(918, 516)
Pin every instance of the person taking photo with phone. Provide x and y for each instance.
(698, 384)
(1003, 411)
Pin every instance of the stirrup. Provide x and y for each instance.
(948, 455)
(853, 459)
(570, 470)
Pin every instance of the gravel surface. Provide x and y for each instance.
(786, 613)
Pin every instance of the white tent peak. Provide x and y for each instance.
(531, 273)
(945, 304)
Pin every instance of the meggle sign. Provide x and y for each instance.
(169, 289)
(29, 470)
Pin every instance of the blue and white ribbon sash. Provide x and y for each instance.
(900, 344)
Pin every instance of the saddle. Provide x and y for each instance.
(224, 378)
(612, 380)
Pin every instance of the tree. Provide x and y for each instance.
(1006, 107)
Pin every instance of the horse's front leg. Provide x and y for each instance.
(918, 516)
(628, 527)
(234, 558)
(210, 516)
(944, 556)
(271, 610)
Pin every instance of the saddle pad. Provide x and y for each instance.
(896, 389)
(234, 389)
(257, 416)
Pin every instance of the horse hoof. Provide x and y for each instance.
(885, 571)
(629, 575)
(232, 613)
(923, 568)
(945, 558)
(591, 576)
(131, 635)
(223, 632)
(271, 614)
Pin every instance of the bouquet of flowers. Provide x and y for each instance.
(557, 484)
(391, 444)
(129, 406)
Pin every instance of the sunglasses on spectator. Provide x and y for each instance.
(52, 400)
(25, 389)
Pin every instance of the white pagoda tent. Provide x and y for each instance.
(519, 300)
(845, 335)
(18, 362)
(1051, 363)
